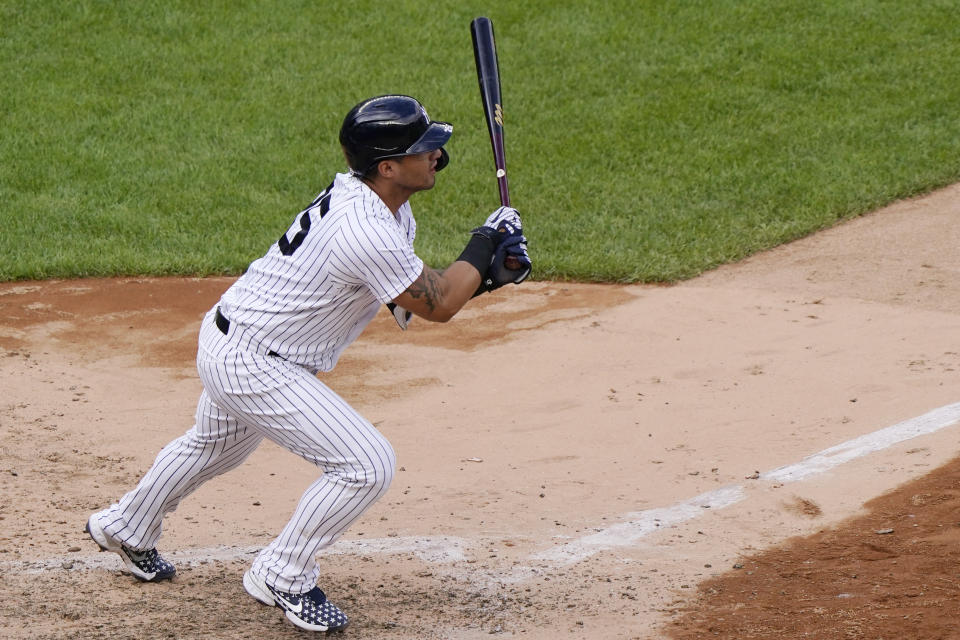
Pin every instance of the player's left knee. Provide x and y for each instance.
(386, 467)
(374, 470)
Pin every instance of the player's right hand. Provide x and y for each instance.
(505, 219)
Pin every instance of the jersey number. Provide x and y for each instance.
(287, 246)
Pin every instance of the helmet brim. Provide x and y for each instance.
(434, 137)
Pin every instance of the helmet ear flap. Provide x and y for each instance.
(444, 159)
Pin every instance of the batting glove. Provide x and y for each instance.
(401, 315)
(504, 216)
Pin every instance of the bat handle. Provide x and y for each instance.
(510, 262)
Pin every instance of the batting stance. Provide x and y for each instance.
(290, 316)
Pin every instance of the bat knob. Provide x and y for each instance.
(512, 263)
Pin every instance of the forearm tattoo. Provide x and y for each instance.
(427, 286)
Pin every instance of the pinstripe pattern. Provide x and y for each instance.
(308, 307)
(215, 445)
(306, 303)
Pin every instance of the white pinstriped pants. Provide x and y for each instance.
(247, 397)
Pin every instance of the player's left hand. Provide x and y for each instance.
(515, 246)
(498, 274)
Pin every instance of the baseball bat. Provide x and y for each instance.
(488, 75)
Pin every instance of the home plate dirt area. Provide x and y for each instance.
(766, 451)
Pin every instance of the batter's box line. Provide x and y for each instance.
(827, 459)
(644, 523)
(429, 549)
(449, 550)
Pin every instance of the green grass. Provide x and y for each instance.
(646, 141)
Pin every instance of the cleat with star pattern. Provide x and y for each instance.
(146, 566)
(311, 610)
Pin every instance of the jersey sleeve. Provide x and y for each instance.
(378, 253)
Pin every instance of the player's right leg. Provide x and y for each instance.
(132, 526)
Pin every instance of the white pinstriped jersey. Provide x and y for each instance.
(319, 286)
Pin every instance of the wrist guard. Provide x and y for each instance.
(479, 250)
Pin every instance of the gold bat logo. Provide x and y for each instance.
(498, 114)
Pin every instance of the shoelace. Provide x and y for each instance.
(149, 556)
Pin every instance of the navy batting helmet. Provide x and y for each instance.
(390, 127)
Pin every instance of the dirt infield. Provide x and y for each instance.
(575, 460)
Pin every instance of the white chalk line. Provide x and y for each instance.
(834, 456)
(643, 523)
(430, 549)
(445, 550)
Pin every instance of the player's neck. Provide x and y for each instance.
(392, 194)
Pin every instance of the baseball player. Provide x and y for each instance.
(289, 317)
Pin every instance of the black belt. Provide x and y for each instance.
(224, 325)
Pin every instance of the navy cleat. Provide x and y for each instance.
(147, 566)
(311, 610)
